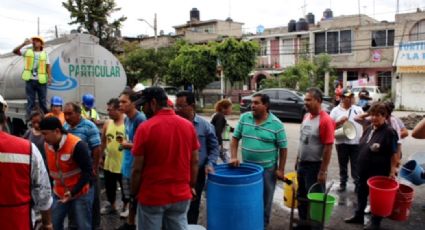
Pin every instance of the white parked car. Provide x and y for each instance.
(374, 93)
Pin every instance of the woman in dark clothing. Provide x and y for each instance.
(377, 157)
(34, 134)
(222, 108)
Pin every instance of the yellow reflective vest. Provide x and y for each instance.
(29, 64)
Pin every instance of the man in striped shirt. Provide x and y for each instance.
(264, 143)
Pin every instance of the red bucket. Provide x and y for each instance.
(403, 203)
(382, 192)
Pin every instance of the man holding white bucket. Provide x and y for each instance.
(347, 137)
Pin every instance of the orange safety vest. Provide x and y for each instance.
(61, 117)
(63, 169)
(15, 183)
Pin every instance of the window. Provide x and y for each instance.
(418, 31)
(283, 95)
(271, 93)
(263, 48)
(333, 42)
(382, 38)
(384, 81)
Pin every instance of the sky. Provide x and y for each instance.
(19, 17)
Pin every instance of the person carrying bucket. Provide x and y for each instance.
(270, 154)
(377, 157)
(347, 147)
(419, 133)
(314, 151)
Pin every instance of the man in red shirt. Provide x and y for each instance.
(165, 165)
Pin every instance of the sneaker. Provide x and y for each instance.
(108, 210)
(124, 213)
(127, 226)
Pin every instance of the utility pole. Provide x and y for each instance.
(56, 31)
(155, 29)
(38, 26)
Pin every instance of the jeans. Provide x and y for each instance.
(33, 88)
(80, 208)
(111, 180)
(269, 179)
(307, 173)
(166, 217)
(193, 213)
(347, 153)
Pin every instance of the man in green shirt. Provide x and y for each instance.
(264, 143)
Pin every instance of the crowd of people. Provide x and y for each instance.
(161, 153)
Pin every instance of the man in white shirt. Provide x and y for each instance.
(36, 72)
(347, 149)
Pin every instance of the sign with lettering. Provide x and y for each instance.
(410, 57)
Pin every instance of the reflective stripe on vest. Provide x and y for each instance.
(63, 169)
(29, 65)
(15, 182)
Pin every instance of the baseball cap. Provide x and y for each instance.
(347, 93)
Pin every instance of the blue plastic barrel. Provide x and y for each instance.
(235, 198)
(412, 172)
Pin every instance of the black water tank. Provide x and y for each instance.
(328, 14)
(292, 26)
(195, 15)
(310, 18)
(302, 25)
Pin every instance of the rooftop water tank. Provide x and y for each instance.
(328, 14)
(301, 25)
(195, 15)
(310, 18)
(292, 26)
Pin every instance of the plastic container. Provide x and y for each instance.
(289, 196)
(382, 192)
(412, 172)
(403, 203)
(317, 201)
(235, 198)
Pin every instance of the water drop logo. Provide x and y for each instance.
(60, 81)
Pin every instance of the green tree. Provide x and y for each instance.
(238, 58)
(195, 64)
(92, 16)
(304, 74)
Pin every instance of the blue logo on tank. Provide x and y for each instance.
(60, 81)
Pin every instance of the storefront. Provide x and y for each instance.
(410, 76)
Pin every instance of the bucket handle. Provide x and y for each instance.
(327, 190)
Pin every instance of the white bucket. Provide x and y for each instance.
(346, 131)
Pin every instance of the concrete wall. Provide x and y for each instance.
(163, 41)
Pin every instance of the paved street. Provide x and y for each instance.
(345, 201)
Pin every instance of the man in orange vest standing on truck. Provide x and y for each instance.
(24, 181)
(69, 165)
(36, 72)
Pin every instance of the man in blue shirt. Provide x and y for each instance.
(133, 118)
(88, 133)
(209, 152)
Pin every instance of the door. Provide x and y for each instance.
(289, 104)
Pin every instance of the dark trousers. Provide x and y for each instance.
(347, 153)
(307, 173)
(111, 180)
(32, 89)
(193, 213)
(96, 203)
(363, 192)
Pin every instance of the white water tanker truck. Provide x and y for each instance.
(79, 65)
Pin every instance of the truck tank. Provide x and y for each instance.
(79, 65)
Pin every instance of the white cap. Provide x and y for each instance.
(138, 87)
(3, 102)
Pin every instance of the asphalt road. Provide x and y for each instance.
(346, 201)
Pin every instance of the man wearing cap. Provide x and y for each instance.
(165, 166)
(69, 165)
(347, 149)
(36, 72)
(24, 181)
